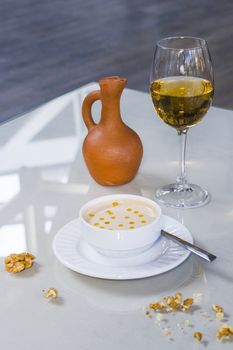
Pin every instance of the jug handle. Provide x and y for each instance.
(86, 108)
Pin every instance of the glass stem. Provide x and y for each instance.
(181, 179)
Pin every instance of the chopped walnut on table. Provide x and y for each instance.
(219, 311)
(186, 323)
(198, 336)
(51, 293)
(18, 262)
(225, 332)
(156, 306)
(166, 332)
(172, 303)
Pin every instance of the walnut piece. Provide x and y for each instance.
(172, 303)
(219, 311)
(51, 293)
(187, 303)
(186, 323)
(198, 336)
(18, 262)
(166, 332)
(156, 306)
(224, 332)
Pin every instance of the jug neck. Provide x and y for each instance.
(111, 90)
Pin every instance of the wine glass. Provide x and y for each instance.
(182, 91)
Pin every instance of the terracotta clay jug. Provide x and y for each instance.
(112, 151)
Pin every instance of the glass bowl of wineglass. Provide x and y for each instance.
(182, 87)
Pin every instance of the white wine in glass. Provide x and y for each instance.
(182, 91)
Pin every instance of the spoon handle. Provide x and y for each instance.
(191, 247)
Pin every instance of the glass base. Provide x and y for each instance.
(188, 196)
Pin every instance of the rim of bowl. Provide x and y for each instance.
(134, 196)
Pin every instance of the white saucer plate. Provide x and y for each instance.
(72, 251)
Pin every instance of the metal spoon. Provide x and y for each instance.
(191, 247)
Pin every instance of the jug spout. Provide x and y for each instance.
(112, 86)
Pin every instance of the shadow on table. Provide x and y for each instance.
(130, 295)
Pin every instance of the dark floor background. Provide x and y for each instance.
(49, 47)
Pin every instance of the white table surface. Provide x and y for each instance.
(43, 183)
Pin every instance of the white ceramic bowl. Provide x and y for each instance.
(121, 242)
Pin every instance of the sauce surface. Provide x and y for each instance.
(121, 215)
